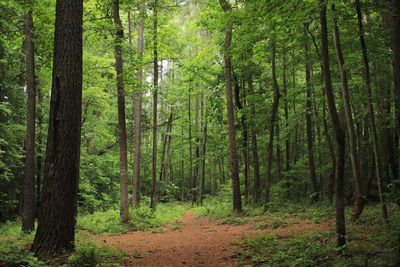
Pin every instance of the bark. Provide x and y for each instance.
(28, 203)
(192, 185)
(163, 168)
(278, 152)
(153, 197)
(254, 149)
(309, 122)
(245, 134)
(123, 149)
(368, 87)
(203, 150)
(286, 107)
(56, 230)
(273, 118)
(396, 60)
(358, 205)
(137, 111)
(195, 181)
(339, 132)
(233, 160)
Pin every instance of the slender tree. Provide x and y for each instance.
(368, 87)
(272, 122)
(233, 160)
(57, 216)
(137, 106)
(338, 129)
(309, 121)
(355, 162)
(28, 203)
(123, 149)
(153, 201)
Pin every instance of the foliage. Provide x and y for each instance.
(89, 254)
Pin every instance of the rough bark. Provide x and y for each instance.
(368, 87)
(339, 132)
(123, 149)
(309, 122)
(153, 197)
(137, 111)
(28, 203)
(358, 205)
(57, 217)
(233, 160)
(273, 118)
(203, 151)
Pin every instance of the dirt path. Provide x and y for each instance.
(198, 242)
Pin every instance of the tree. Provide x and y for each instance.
(123, 150)
(355, 162)
(28, 206)
(233, 161)
(153, 197)
(272, 122)
(137, 106)
(57, 216)
(309, 124)
(337, 127)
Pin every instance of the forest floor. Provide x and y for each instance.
(201, 241)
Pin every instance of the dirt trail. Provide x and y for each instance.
(198, 242)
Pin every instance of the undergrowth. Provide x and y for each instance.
(141, 219)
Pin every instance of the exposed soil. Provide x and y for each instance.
(197, 242)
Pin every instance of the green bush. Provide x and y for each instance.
(90, 255)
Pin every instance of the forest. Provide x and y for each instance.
(199, 133)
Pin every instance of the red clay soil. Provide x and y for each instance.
(198, 242)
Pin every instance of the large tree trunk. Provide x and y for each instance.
(355, 162)
(339, 132)
(367, 80)
(57, 217)
(274, 112)
(123, 149)
(233, 160)
(137, 110)
(309, 123)
(28, 203)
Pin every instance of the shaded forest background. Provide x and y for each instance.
(277, 102)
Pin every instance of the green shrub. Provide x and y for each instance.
(90, 255)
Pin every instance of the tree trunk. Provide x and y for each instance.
(355, 162)
(57, 217)
(28, 203)
(254, 149)
(309, 123)
(396, 60)
(339, 132)
(137, 107)
(286, 107)
(204, 146)
(233, 161)
(123, 150)
(153, 201)
(367, 80)
(273, 118)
